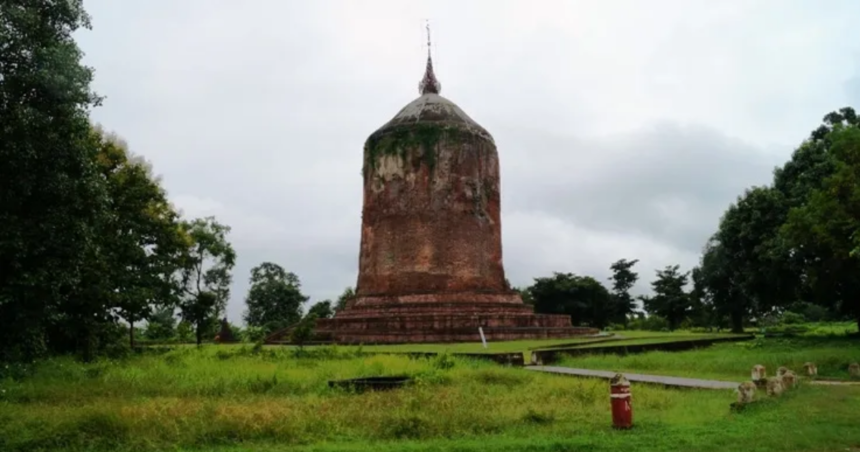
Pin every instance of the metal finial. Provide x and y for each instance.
(427, 27)
(428, 83)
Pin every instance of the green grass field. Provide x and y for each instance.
(817, 329)
(733, 361)
(622, 337)
(465, 347)
(477, 347)
(235, 399)
(656, 340)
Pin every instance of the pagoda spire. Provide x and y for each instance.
(428, 83)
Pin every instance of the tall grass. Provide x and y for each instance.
(653, 340)
(241, 398)
(477, 347)
(528, 344)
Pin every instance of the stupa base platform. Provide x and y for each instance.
(443, 318)
(438, 318)
(369, 337)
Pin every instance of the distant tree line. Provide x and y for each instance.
(590, 303)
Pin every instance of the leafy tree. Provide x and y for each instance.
(275, 298)
(142, 241)
(648, 323)
(669, 301)
(818, 277)
(254, 334)
(746, 238)
(185, 331)
(810, 311)
(623, 279)
(205, 276)
(348, 294)
(51, 198)
(525, 294)
(717, 286)
(792, 240)
(322, 310)
(304, 331)
(198, 311)
(581, 297)
(704, 312)
(161, 325)
(829, 223)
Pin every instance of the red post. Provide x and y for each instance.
(619, 393)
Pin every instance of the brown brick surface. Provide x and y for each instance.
(430, 262)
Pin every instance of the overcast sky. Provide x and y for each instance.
(624, 128)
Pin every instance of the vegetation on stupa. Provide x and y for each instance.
(407, 140)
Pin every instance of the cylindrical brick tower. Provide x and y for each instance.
(430, 264)
(430, 222)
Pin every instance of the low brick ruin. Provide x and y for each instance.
(430, 263)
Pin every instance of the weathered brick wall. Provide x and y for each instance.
(432, 228)
(430, 264)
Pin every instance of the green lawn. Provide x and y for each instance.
(657, 340)
(619, 337)
(525, 345)
(822, 328)
(463, 347)
(478, 347)
(230, 399)
(733, 361)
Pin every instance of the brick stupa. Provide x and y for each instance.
(430, 265)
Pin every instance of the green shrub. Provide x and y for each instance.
(253, 334)
(792, 318)
(650, 323)
(443, 361)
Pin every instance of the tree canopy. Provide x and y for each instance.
(670, 300)
(582, 297)
(275, 298)
(795, 242)
(205, 276)
(623, 279)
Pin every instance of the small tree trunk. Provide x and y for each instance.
(737, 322)
(198, 331)
(131, 334)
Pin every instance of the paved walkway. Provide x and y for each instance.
(656, 379)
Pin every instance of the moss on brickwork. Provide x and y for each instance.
(402, 140)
